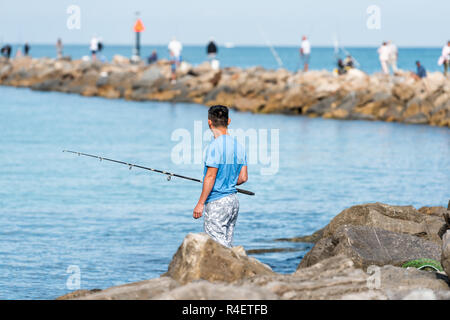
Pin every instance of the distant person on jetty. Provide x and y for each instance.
(59, 48)
(225, 167)
(175, 47)
(26, 49)
(384, 55)
(211, 49)
(100, 54)
(445, 57)
(349, 62)
(305, 52)
(6, 51)
(153, 57)
(340, 67)
(100, 45)
(19, 53)
(94, 47)
(393, 56)
(421, 72)
(173, 67)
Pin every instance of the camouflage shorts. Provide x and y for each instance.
(220, 219)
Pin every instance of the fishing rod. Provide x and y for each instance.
(272, 49)
(168, 174)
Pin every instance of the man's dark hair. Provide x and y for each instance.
(218, 115)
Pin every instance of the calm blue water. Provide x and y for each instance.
(321, 58)
(121, 226)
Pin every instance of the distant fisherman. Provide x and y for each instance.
(225, 167)
(26, 49)
(445, 57)
(59, 48)
(153, 57)
(6, 51)
(305, 52)
(349, 62)
(175, 48)
(393, 56)
(340, 67)
(384, 55)
(211, 49)
(94, 47)
(421, 72)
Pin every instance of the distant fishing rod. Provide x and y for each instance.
(272, 49)
(168, 174)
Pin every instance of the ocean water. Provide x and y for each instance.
(245, 57)
(117, 226)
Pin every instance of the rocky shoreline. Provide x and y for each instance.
(353, 96)
(360, 254)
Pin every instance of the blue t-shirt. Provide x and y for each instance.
(229, 156)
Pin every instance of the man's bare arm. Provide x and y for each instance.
(243, 176)
(208, 184)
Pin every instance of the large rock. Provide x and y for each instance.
(120, 60)
(321, 107)
(204, 290)
(143, 290)
(199, 257)
(329, 279)
(367, 245)
(402, 219)
(337, 278)
(149, 78)
(396, 279)
(445, 259)
(211, 265)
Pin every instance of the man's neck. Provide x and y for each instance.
(220, 131)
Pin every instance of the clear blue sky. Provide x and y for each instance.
(406, 22)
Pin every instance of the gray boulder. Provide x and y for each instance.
(371, 246)
(327, 280)
(200, 257)
(204, 290)
(149, 78)
(143, 290)
(407, 279)
(321, 107)
(445, 258)
(401, 219)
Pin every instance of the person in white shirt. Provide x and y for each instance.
(384, 54)
(445, 57)
(393, 56)
(175, 48)
(305, 52)
(94, 47)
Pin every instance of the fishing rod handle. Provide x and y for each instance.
(245, 192)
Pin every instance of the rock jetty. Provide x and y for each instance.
(353, 96)
(357, 256)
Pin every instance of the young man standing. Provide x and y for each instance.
(225, 167)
